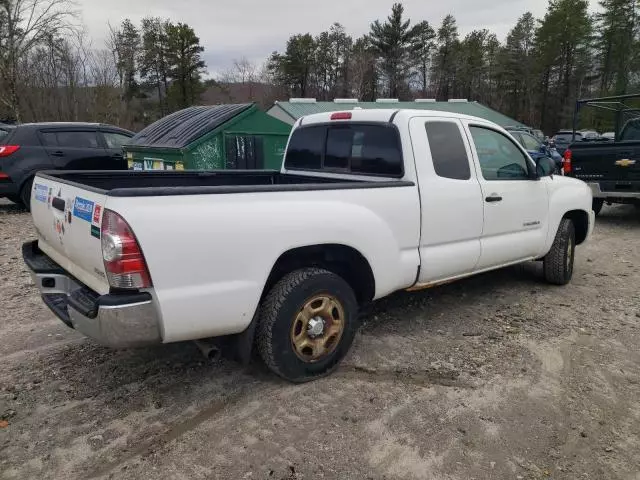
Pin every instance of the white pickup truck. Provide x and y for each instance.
(368, 202)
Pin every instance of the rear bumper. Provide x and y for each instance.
(115, 320)
(7, 187)
(633, 193)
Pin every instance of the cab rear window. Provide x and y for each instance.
(363, 149)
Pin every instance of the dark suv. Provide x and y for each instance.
(25, 149)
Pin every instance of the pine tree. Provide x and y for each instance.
(448, 46)
(392, 42)
(153, 61)
(617, 44)
(185, 65)
(422, 51)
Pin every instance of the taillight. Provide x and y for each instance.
(123, 259)
(6, 150)
(566, 163)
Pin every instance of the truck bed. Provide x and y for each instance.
(162, 183)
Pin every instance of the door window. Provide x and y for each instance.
(115, 140)
(71, 139)
(499, 157)
(447, 150)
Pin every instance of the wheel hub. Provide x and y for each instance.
(317, 328)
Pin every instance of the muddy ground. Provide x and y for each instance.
(499, 376)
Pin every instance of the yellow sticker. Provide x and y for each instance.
(129, 156)
(158, 165)
(179, 166)
(130, 164)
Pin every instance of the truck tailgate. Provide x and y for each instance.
(607, 161)
(67, 219)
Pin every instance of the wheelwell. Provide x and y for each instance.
(580, 220)
(344, 261)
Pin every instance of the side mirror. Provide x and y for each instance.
(545, 167)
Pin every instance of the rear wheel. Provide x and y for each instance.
(558, 264)
(25, 194)
(307, 324)
(597, 205)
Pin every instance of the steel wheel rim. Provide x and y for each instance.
(309, 343)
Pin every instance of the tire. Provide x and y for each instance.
(25, 194)
(283, 325)
(597, 205)
(558, 264)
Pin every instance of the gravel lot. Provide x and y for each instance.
(499, 376)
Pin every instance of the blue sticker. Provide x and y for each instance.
(83, 209)
(41, 193)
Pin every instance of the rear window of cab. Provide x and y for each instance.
(362, 149)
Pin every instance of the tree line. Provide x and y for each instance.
(49, 71)
(534, 75)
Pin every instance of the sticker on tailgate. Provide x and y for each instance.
(83, 209)
(41, 193)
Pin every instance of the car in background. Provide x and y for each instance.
(590, 135)
(609, 136)
(536, 148)
(31, 147)
(563, 139)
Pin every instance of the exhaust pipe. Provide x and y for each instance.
(210, 351)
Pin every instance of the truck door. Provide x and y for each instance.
(516, 204)
(450, 198)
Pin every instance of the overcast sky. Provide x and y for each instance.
(231, 29)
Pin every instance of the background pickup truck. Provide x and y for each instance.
(610, 168)
(367, 203)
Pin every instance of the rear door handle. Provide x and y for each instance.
(494, 197)
(58, 154)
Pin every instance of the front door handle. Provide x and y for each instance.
(58, 154)
(494, 197)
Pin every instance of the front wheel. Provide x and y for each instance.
(558, 264)
(307, 323)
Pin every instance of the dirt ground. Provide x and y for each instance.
(499, 376)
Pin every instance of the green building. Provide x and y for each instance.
(295, 108)
(210, 138)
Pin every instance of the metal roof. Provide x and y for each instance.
(185, 126)
(298, 109)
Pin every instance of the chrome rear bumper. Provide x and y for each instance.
(115, 320)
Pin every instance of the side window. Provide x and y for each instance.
(305, 148)
(500, 158)
(115, 140)
(49, 139)
(447, 150)
(78, 139)
(530, 143)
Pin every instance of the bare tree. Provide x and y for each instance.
(25, 25)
